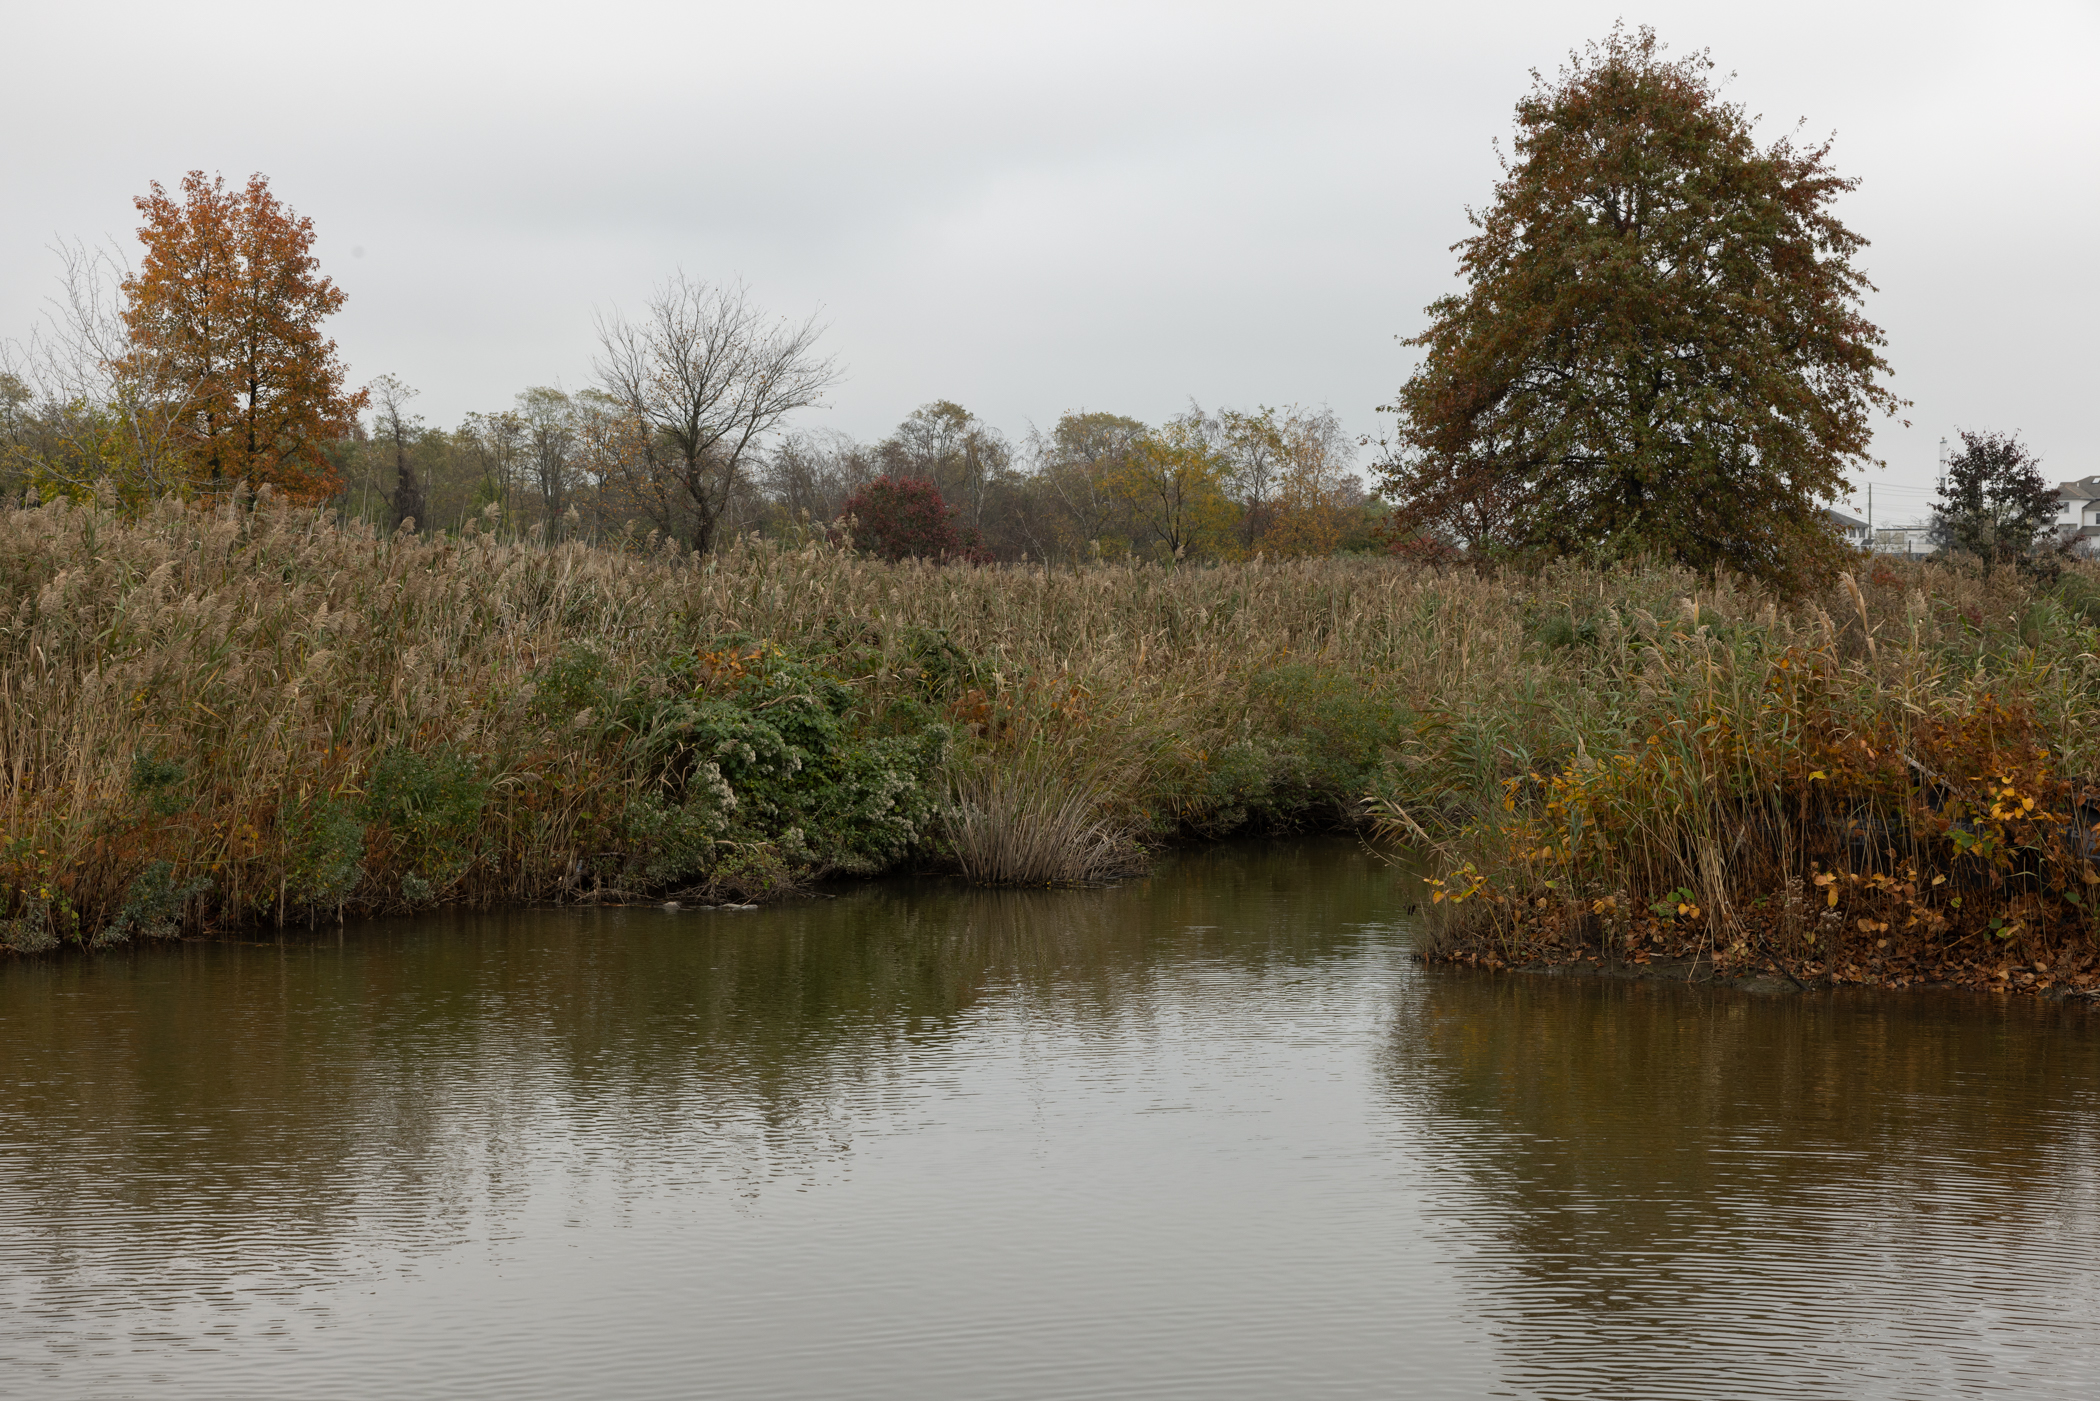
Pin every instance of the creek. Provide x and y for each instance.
(1210, 1133)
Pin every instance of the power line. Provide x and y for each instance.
(1892, 484)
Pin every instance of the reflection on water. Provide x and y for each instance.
(1206, 1134)
(1648, 1190)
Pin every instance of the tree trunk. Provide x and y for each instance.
(408, 492)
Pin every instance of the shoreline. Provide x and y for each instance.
(1771, 978)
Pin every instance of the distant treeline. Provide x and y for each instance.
(1205, 485)
(204, 371)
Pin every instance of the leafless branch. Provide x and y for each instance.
(709, 376)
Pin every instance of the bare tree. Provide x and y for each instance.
(95, 406)
(812, 474)
(392, 424)
(550, 445)
(707, 376)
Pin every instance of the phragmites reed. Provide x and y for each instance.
(1896, 784)
(254, 712)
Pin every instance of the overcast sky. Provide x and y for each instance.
(1036, 208)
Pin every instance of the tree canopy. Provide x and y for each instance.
(1994, 501)
(1661, 347)
(205, 370)
(905, 518)
(225, 319)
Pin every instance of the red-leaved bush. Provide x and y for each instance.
(905, 518)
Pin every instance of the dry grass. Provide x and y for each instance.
(1030, 824)
(195, 706)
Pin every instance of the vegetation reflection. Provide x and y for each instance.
(441, 1064)
(1651, 1160)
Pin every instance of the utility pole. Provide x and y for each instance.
(1942, 483)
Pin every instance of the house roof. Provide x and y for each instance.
(2085, 489)
(1841, 519)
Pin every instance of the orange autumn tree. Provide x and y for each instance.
(225, 316)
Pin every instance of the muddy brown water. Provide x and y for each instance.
(1211, 1133)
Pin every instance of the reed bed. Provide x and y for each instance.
(258, 713)
(1893, 785)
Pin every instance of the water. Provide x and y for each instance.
(1209, 1134)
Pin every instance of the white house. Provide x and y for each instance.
(1850, 529)
(1910, 541)
(2078, 509)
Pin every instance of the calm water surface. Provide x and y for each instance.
(1210, 1134)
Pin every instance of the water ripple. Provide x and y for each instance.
(1210, 1134)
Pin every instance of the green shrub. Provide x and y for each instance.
(569, 684)
(158, 782)
(325, 845)
(752, 871)
(742, 756)
(1236, 787)
(878, 801)
(431, 805)
(152, 907)
(1336, 734)
(29, 931)
(668, 844)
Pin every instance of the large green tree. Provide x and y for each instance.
(1661, 348)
